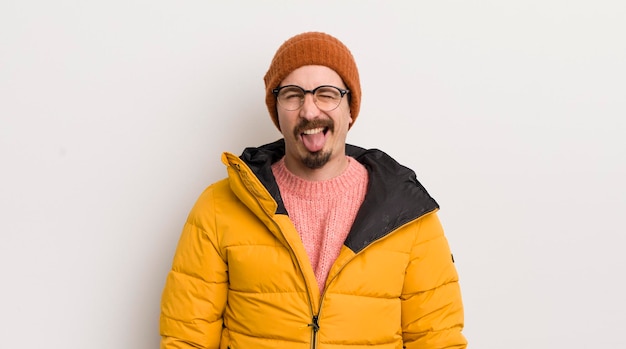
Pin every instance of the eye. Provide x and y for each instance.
(327, 93)
(291, 93)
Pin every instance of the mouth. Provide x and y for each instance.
(313, 134)
(314, 139)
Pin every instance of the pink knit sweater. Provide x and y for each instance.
(322, 211)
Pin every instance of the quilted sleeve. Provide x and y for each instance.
(194, 296)
(432, 309)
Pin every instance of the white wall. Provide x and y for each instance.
(113, 115)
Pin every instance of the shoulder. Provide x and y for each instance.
(213, 195)
(377, 160)
(217, 189)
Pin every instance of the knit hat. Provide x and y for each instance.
(313, 48)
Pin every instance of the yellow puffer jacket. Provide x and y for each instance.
(241, 277)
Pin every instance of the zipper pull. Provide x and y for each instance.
(315, 324)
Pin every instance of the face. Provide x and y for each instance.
(314, 139)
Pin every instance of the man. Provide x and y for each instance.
(309, 242)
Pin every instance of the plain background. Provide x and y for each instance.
(113, 116)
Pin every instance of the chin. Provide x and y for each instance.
(316, 160)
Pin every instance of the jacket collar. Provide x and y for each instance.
(394, 196)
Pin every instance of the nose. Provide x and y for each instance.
(309, 109)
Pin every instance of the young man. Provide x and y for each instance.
(309, 242)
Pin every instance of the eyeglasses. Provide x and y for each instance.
(325, 97)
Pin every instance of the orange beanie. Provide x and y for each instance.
(313, 48)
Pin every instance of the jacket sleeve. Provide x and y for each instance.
(194, 296)
(432, 309)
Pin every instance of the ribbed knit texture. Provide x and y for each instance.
(322, 211)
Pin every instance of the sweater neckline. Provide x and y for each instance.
(352, 176)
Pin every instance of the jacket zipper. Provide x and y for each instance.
(315, 317)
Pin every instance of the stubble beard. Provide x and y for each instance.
(316, 160)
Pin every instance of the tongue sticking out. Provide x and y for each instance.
(314, 142)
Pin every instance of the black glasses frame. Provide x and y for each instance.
(342, 93)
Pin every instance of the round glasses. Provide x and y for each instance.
(325, 97)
